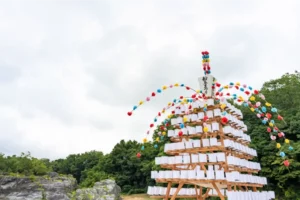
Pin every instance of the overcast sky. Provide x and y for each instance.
(71, 70)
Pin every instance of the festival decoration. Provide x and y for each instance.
(207, 115)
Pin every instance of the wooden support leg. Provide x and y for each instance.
(168, 191)
(206, 194)
(176, 192)
(197, 196)
(218, 191)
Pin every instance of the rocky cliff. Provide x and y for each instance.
(54, 187)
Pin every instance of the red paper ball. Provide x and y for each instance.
(217, 93)
(129, 113)
(224, 120)
(269, 129)
(228, 94)
(256, 92)
(280, 134)
(218, 84)
(205, 118)
(237, 87)
(180, 133)
(138, 155)
(187, 87)
(173, 112)
(159, 114)
(162, 128)
(181, 97)
(153, 94)
(286, 163)
(151, 125)
(247, 92)
(279, 117)
(268, 115)
(190, 106)
(194, 96)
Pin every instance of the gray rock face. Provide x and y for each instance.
(36, 188)
(104, 190)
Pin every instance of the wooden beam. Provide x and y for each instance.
(218, 191)
(176, 192)
(168, 190)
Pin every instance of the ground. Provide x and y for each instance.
(136, 197)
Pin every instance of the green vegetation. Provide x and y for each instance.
(133, 174)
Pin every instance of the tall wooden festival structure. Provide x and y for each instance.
(209, 153)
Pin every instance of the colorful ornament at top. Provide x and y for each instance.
(205, 62)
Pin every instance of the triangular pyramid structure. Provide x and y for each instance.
(209, 154)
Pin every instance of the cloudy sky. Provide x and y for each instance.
(70, 70)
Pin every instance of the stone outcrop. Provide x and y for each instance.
(55, 187)
(104, 190)
(52, 187)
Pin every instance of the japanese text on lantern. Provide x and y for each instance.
(206, 85)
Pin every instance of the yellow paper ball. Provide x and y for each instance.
(223, 106)
(205, 129)
(176, 84)
(145, 140)
(226, 86)
(164, 87)
(271, 124)
(169, 103)
(164, 133)
(198, 91)
(287, 141)
(238, 84)
(252, 98)
(252, 109)
(163, 111)
(185, 119)
(278, 146)
(268, 104)
(157, 139)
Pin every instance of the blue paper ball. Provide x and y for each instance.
(231, 83)
(155, 120)
(242, 89)
(181, 125)
(143, 148)
(162, 137)
(174, 100)
(155, 146)
(282, 154)
(264, 109)
(291, 148)
(250, 88)
(159, 90)
(182, 85)
(134, 107)
(274, 110)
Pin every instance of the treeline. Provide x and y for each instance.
(133, 174)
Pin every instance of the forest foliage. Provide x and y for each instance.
(133, 174)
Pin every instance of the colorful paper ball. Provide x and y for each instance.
(282, 154)
(134, 107)
(181, 125)
(148, 99)
(279, 117)
(258, 104)
(155, 146)
(138, 155)
(153, 94)
(287, 141)
(273, 137)
(269, 129)
(278, 146)
(159, 90)
(129, 113)
(180, 133)
(291, 148)
(205, 129)
(224, 120)
(145, 140)
(274, 110)
(286, 163)
(151, 125)
(143, 148)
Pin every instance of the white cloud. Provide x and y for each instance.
(70, 71)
